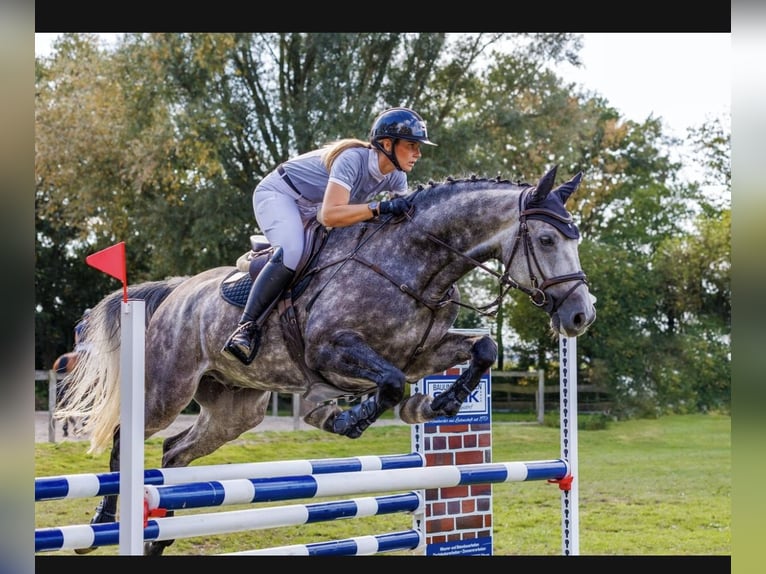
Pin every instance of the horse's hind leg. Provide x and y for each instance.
(106, 511)
(420, 408)
(225, 413)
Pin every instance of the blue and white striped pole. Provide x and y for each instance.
(101, 484)
(244, 491)
(357, 546)
(169, 528)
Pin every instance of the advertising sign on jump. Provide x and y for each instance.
(476, 408)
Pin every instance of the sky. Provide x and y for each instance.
(683, 78)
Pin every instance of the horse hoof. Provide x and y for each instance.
(84, 550)
(156, 548)
(416, 409)
(322, 417)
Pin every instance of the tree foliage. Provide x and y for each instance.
(160, 140)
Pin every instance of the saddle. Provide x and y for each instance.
(235, 288)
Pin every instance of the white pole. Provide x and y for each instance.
(296, 411)
(131, 531)
(570, 530)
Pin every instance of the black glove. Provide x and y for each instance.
(396, 207)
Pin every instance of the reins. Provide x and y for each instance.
(537, 293)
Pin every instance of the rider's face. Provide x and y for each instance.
(407, 154)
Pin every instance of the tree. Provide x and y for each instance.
(76, 156)
(161, 139)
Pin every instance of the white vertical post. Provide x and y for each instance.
(570, 530)
(131, 532)
(296, 411)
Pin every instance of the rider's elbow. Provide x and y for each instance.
(324, 220)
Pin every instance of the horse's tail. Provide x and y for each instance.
(93, 387)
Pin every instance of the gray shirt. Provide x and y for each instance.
(356, 169)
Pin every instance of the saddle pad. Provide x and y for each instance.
(236, 287)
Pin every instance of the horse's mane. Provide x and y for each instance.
(435, 191)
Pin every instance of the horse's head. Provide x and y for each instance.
(546, 249)
(526, 227)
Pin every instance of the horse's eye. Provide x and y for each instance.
(546, 240)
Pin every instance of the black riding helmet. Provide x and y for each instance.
(398, 124)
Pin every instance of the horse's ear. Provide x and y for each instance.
(568, 188)
(544, 186)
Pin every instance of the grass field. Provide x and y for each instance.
(657, 487)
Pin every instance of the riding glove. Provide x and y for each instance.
(397, 206)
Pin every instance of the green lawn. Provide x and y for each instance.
(646, 487)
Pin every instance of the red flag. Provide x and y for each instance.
(110, 260)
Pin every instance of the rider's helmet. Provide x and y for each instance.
(399, 123)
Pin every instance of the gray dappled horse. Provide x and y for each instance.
(371, 312)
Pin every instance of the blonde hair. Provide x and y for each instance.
(334, 149)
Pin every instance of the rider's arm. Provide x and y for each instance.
(336, 211)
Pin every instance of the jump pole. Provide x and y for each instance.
(161, 499)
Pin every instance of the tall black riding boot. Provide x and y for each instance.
(271, 281)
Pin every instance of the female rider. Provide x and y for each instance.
(342, 177)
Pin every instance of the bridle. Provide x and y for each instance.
(538, 293)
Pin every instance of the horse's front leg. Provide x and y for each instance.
(348, 355)
(420, 408)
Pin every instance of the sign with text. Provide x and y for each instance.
(473, 547)
(475, 409)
